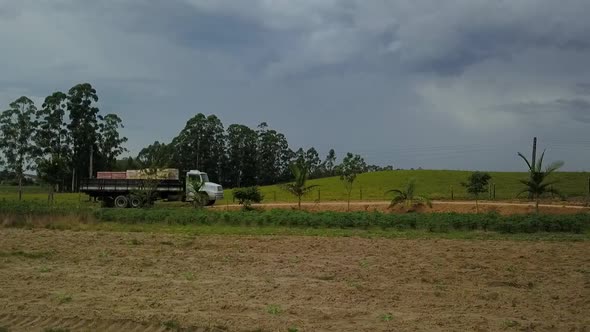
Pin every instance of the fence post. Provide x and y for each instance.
(319, 195)
(589, 186)
(452, 194)
(361, 193)
(494, 191)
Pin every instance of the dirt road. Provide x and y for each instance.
(98, 281)
(437, 206)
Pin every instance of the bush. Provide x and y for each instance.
(248, 195)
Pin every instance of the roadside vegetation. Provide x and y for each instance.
(25, 214)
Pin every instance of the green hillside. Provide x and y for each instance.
(435, 183)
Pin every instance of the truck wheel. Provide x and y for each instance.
(135, 201)
(210, 203)
(121, 202)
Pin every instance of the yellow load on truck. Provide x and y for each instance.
(148, 174)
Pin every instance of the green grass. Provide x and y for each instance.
(63, 298)
(192, 230)
(432, 222)
(434, 183)
(274, 309)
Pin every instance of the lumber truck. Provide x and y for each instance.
(135, 188)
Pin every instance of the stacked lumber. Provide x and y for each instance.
(111, 175)
(161, 174)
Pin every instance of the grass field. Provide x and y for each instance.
(434, 183)
(437, 184)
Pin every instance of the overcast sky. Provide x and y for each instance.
(461, 84)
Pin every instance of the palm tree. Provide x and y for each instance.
(298, 187)
(537, 184)
(408, 196)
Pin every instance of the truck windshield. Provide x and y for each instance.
(204, 177)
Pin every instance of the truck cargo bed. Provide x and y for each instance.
(96, 187)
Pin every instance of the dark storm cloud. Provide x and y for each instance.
(582, 89)
(355, 75)
(577, 109)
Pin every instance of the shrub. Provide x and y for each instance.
(248, 195)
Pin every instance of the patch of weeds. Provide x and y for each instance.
(3, 329)
(167, 243)
(136, 242)
(56, 329)
(509, 323)
(44, 269)
(63, 298)
(274, 309)
(511, 268)
(292, 329)
(354, 284)
(172, 325)
(188, 276)
(438, 294)
(364, 263)
(27, 254)
(530, 285)
(104, 254)
(386, 317)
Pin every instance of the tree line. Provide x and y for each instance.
(64, 140)
(238, 156)
(67, 139)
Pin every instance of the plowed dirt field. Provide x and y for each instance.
(100, 281)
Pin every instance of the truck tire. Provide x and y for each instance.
(210, 203)
(121, 202)
(135, 201)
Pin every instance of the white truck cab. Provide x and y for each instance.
(213, 191)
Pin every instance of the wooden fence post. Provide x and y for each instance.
(452, 194)
(319, 195)
(361, 190)
(494, 197)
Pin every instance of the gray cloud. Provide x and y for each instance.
(582, 89)
(365, 76)
(577, 109)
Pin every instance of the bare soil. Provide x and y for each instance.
(100, 281)
(504, 208)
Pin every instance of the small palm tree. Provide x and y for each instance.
(408, 196)
(298, 187)
(537, 184)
